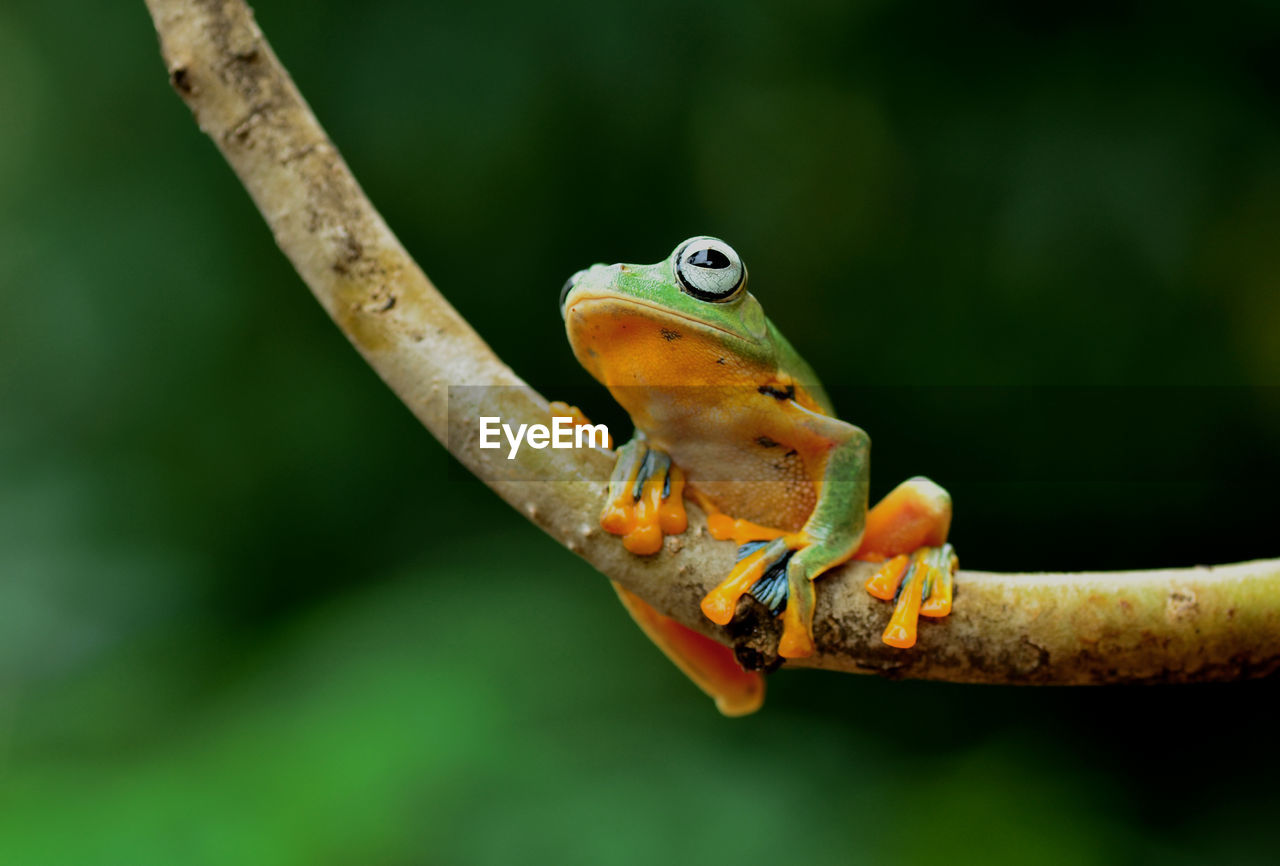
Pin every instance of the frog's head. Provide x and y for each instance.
(663, 323)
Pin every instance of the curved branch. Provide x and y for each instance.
(1173, 626)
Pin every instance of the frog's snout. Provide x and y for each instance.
(568, 287)
(599, 276)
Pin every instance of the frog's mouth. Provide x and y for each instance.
(663, 313)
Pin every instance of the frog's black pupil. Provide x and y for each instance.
(709, 258)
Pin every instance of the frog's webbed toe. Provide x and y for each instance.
(646, 498)
(920, 584)
(779, 574)
(761, 571)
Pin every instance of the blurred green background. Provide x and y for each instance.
(250, 614)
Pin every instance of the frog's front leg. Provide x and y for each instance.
(646, 491)
(646, 497)
(779, 568)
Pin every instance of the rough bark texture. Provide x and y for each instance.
(1150, 626)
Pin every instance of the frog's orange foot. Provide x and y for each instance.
(920, 584)
(762, 571)
(646, 498)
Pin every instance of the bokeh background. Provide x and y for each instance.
(250, 613)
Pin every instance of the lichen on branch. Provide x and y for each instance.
(1178, 625)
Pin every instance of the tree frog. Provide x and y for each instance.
(727, 413)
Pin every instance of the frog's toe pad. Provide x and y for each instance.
(921, 584)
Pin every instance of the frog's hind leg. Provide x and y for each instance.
(907, 532)
(917, 513)
(710, 665)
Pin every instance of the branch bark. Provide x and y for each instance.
(1182, 625)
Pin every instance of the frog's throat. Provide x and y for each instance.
(666, 312)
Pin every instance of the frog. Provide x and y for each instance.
(728, 415)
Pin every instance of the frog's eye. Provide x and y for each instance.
(709, 269)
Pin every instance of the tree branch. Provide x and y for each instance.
(1152, 626)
